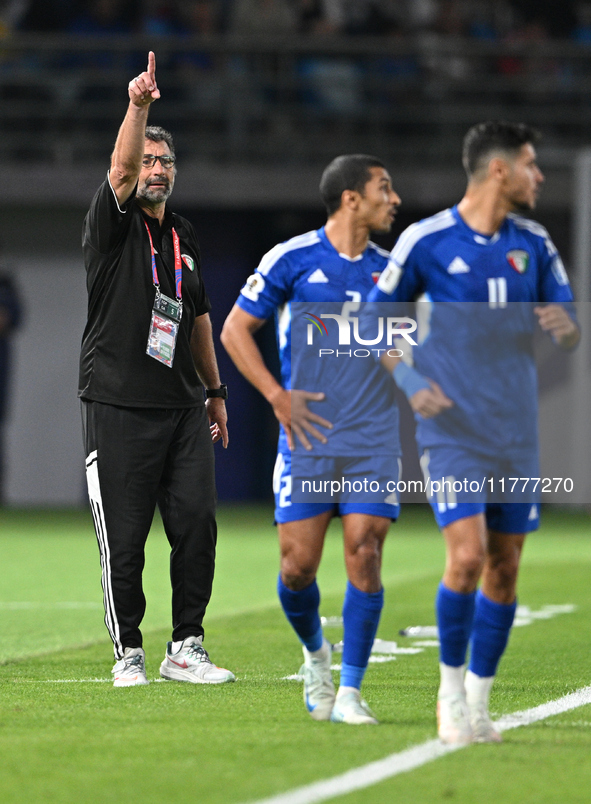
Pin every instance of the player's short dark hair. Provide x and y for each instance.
(494, 136)
(159, 134)
(347, 172)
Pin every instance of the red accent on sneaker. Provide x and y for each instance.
(184, 665)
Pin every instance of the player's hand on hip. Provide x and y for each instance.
(429, 402)
(143, 89)
(218, 420)
(291, 410)
(554, 319)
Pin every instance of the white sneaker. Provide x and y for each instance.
(351, 708)
(477, 695)
(130, 671)
(191, 662)
(319, 691)
(483, 730)
(453, 720)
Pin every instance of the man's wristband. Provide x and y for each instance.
(409, 380)
(217, 393)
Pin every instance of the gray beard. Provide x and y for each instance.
(155, 196)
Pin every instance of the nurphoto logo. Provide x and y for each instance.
(394, 327)
(390, 328)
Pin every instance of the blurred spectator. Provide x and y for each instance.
(355, 17)
(556, 19)
(10, 317)
(158, 18)
(503, 17)
(446, 66)
(202, 81)
(451, 18)
(263, 17)
(369, 17)
(332, 84)
(420, 14)
(327, 84)
(540, 75)
(475, 18)
(582, 29)
(12, 13)
(47, 17)
(181, 17)
(320, 16)
(481, 21)
(198, 17)
(102, 19)
(392, 79)
(105, 18)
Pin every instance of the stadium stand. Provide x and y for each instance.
(298, 83)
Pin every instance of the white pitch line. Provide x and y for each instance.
(26, 605)
(62, 680)
(75, 680)
(374, 772)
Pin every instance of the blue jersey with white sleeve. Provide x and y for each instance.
(476, 324)
(307, 270)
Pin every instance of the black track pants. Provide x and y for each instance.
(138, 458)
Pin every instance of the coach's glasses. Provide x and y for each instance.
(149, 160)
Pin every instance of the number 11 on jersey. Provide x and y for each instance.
(497, 292)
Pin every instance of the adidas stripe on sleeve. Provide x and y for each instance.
(271, 284)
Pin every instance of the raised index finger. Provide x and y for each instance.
(152, 65)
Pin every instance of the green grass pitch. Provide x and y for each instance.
(66, 738)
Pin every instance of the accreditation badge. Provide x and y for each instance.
(164, 328)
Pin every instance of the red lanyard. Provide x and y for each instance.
(178, 265)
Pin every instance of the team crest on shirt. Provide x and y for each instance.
(375, 275)
(518, 260)
(189, 262)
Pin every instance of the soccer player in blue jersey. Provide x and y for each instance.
(337, 263)
(478, 418)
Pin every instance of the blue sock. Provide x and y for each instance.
(361, 616)
(455, 612)
(301, 609)
(490, 634)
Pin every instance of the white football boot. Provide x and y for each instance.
(453, 720)
(477, 695)
(483, 730)
(319, 691)
(189, 661)
(351, 708)
(130, 671)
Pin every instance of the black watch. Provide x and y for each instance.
(217, 393)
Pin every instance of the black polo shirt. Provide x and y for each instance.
(114, 366)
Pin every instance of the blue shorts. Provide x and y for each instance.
(367, 485)
(461, 483)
